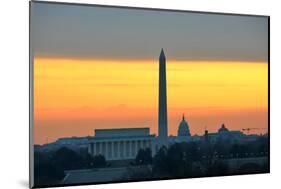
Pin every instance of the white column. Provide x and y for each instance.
(128, 149)
(108, 150)
(131, 149)
(140, 144)
(98, 148)
(118, 149)
(152, 147)
(89, 148)
(112, 150)
(105, 151)
(94, 148)
(102, 148)
(140, 147)
(144, 144)
(136, 147)
(125, 149)
(121, 149)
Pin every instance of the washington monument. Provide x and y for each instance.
(162, 104)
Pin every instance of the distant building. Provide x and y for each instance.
(183, 129)
(79, 141)
(183, 133)
(116, 144)
(224, 134)
(223, 129)
(73, 143)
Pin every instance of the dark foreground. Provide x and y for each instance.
(181, 160)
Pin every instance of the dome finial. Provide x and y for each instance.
(182, 116)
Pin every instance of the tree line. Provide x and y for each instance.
(192, 159)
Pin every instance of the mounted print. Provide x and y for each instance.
(121, 94)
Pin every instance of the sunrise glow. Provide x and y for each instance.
(73, 97)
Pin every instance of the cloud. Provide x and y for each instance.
(114, 33)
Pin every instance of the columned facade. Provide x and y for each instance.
(116, 149)
(125, 145)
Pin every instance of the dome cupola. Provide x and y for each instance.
(183, 129)
(223, 129)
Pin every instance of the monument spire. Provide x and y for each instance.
(162, 104)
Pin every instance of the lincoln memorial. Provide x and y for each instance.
(115, 144)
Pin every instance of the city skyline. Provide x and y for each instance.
(82, 83)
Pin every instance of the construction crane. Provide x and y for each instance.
(249, 129)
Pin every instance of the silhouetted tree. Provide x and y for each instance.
(44, 171)
(221, 148)
(160, 163)
(98, 161)
(67, 159)
(143, 157)
(175, 160)
(218, 167)
(49, 167)
(142, 172)
(191, 150)
(263, 145)
(238, 149)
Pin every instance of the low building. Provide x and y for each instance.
(117, 144)
(224, 134)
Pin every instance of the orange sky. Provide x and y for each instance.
(73, 97)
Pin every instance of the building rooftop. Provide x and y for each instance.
(94, 175)
(122, 132)
(99, 175)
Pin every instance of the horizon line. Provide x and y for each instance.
(203, 60)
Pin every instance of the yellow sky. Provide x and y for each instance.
(73, 97)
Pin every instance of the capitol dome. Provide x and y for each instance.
(183, 129)
(223, 129)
